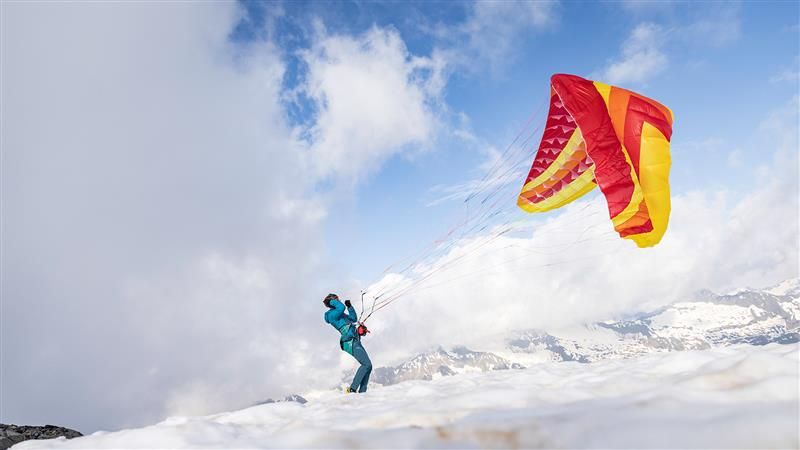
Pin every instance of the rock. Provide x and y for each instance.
(14, 434)
(295, 398)
(289, 398)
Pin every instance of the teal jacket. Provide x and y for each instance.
(345, 323)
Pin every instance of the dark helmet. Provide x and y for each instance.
(328, 299)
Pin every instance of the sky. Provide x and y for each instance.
(182, 183)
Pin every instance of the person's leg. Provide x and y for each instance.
(362, 374)
(365, 380)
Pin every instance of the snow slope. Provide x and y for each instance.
(750, 316)
(739, 396)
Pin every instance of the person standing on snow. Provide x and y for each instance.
(347, 325)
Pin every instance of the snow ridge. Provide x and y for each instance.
(745, 316)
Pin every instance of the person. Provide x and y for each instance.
(350, 341)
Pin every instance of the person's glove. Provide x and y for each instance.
(348, 304)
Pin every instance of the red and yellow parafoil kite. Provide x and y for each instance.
(601, 135)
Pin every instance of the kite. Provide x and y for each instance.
(602, 135)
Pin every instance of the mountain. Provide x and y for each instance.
(745, 316)
(738, 373)
(741, 396)
(439, 363)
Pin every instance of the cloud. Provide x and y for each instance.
(500, 169)
(645, 51)
(493, 28)
(735, 158)
(373, 100)
(642, 56)
(717, 27)
(569, 267)
(707, 145)
(162, 219)
(644, 6)
(488, 38)
(786, 75)
(161, 237)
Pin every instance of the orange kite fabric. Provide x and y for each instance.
(601, 135)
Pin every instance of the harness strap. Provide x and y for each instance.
(345, 330)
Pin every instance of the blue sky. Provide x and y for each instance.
(183, 182)
(723, 68)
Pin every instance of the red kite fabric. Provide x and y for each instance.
(601, 135)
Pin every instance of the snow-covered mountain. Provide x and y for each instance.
(439, 363)
(734, 386)
(741, 396)
(745, 316)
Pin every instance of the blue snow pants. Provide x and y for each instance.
(362, 374)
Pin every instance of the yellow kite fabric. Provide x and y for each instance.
(601, 135)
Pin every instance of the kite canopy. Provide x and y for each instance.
(601, 135)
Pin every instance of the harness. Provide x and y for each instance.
(346, 341)
(348, 338)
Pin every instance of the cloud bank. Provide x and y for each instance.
(162, 229)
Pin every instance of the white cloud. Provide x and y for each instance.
(645, 51)
(502, 169)
(498, 172)
(572, 268)
(159, 230)
(735, 158)
(374, 99)
(486, 41)
(786, 75)
(697, 25)
(642, 56)
(708, 145)
(493, 28)
(645, 6)
(162, 236)
(717, 27)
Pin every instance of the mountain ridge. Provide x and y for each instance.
(745, 316)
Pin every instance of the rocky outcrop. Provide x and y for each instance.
(288, 398)
(14, 434)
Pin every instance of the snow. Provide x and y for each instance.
(786, 287)
(733, 397)
(693, 317)
(793, 308)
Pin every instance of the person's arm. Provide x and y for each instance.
(338, 308)
(351, 312)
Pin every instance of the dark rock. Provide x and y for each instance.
(295, 398)
(446, 371)
(289, 398)
(14, 434)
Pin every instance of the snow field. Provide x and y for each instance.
(734, 397)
